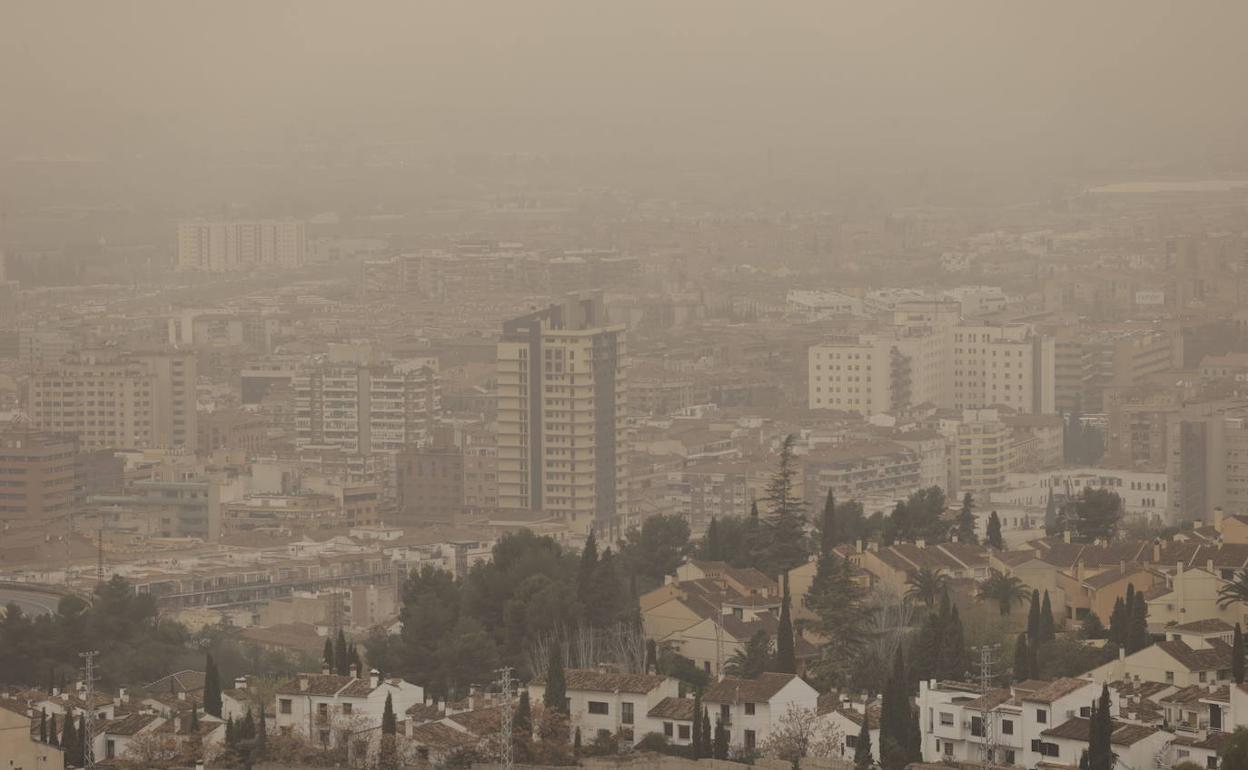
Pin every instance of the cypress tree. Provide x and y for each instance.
(43, 725)
(576, 742)
(53, 740)
(1237, 655)
(1033, 618)
(523, 722)
(195, 717)
(710, 542)
(588, 567)
(80, 754)
(353, 659)
(827, 531)
(1129, 602)
(230, 732)
(786, 655)
(1048, 631)
(652, 657)
(1100, 732)
(966, 521)
(707, 737)
(556, 695)
(70, 742)
(894, 738)
(212, 688)
(994, 532)
(1137, 635)
(720, 749)
(387, 755)
(327, 654)
(342, 661)
(262, 731)
(862, 749)
(1118, 623)
(695, 740)
(953, 660)
(1022, 659)
(247, 730)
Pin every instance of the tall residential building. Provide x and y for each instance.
(119, 400)
(38, 474)
(221, 247)
(1207, 460)
(561, 408)
(383, 408)
(925, 357)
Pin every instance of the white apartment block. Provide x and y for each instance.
(561, 416)
(228, 246)
(365, 409)
(981, 451)
(1144, 493)
(929, 356)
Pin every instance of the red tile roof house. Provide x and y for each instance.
(608, 703)
(323, 708)
(751, 708)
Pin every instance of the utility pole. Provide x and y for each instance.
(987, 711)
(505, 727)
(99, 559)
(88, 733)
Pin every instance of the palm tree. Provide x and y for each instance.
(927, 586)
(1005, 590)
(752, 659)
(1234, 591)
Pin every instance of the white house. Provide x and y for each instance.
(750, 708)
(113, 738)
(325, 707)
(1134, 746)
(606, 703)
(846, 720)
(1189, 659)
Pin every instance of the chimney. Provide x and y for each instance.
(1209, 566)
(1122, 653)
(1217, 518)
(303, 682)
(858, 545)
(240, 683)
(1066, 536)
(182, 695)
(325, 669)
(1156, 552)
(177, 723)
(374, 678)
(921, 543)
(354, 671)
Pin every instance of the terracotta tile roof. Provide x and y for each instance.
(873, 716)
(183, 681)
(966, 553)
(751, 578)
(479, 722)
(1050, 691)
(1113, 575)
(1216, 658)
(757, 690)
(318, 684)
(1213, 741)
(676, 709)
(1015, 558)
(129, 725)
(1199, 692)
(931, 557)
(1062, 555)
(424, 712)
(1104, 555)
(1206, 626)
(441, 737)
(989, 700)
(1077, 729)
(605, 681)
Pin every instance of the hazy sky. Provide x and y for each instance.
(87, 77)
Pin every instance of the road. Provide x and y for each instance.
(31, 602)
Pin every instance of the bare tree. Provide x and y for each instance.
(622, 645)
(801, 732)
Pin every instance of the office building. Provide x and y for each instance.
(222, 247)
(561, 407)
(38, 474)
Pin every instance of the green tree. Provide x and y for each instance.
(607, 601)
(785, 528)
(720, 749)
(555, 697)
(387, 754)
(1022, 659)
(953, 658)
(1047, 631)
(786, 654)
(1033, 618)
(1234, 590)
(1137, 634)
(862, 748)
(327, 654)
(588, 566)
(1100, 732)
(1096, 515)
(708, 743)
(1092, 627)
(523, 722)
(1004, 590)
(927, 586)
(342, 660)
(1237, 655)
(711, 548)
(194, 717)
(43, 725)
(1233, 755)
(966, 521)
(842, 617)
(752, 658)
(994, 532)
(652, 656)
(71, 744)
(695, 740)
(656, 549)
(828, 535)
(1119, 620)
(53, 739)
(898, 747)
(212, 688)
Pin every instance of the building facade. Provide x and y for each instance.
(221, 247)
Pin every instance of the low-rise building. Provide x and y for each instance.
(604, 703)
(750, 709)
(324, 707)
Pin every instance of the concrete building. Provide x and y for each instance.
(861, 471)
(981, 451)
(561, 411)
(121, 401)
(383, 408)
(430, 484)
(38, 474)
(323, 708)
(221, 247)
(22, 749)
(1207, 462)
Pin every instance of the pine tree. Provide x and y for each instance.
(828, 536)
(785, 546)
(966, 521)
(342, 661)
(862, 749)
(786, 655)
(53, 739)
(720, 749)
(1137, 635)
(994, 532)
(1047, 630)
(1033, 618)
(695, 741)
(327, 654)
(1237, 655)
(895, 716)
(212, 688)
(585, 572)
(1118, 623)
(71, 744)
(1022, 659)
(43, 725)
(555, 697)
(1100, 732)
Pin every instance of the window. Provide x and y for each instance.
(626, 713)
(283, 705)
(749, 709)
(683, 732)
(1045, 749)
(346, 708)
(667, 729)
(1007, 728)
(1085, 712)
(322, 711)
(324, 736)
(851, 741)
(1169, 677)
(598, 707)
(1042, 716)
(749, 740)
(1009, 756)
(946, 718)
(1211, 762)
(110, 749)
(725, 713)
(977, 726)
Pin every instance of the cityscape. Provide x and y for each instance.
(652, 387)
